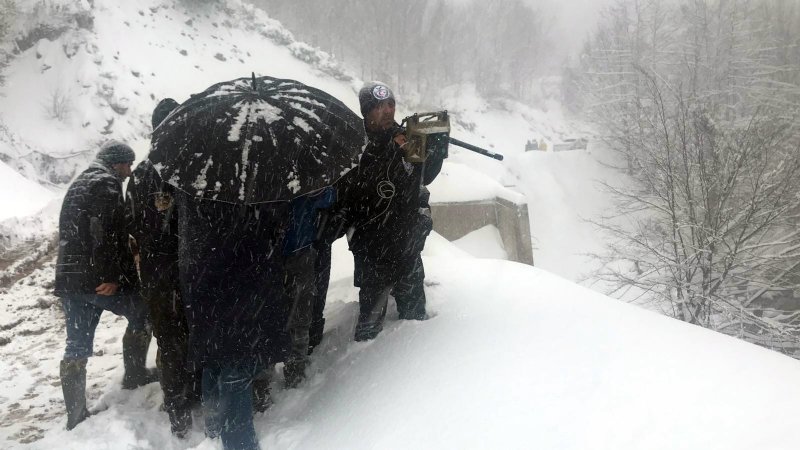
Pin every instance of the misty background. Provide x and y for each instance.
(695, 102)
(503, 47)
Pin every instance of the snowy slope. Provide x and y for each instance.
(112, 75)
(138, 53)
(12, 184)
(513, 357)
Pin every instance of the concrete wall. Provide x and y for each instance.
(457, 219)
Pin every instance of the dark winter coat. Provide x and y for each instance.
(153, 222)
(93, 240)
(232, 279)
(383, 197)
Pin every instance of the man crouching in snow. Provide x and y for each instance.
(95, 273)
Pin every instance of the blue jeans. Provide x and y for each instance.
(228, 404)
(83, 312)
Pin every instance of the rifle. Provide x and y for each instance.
(428, 133)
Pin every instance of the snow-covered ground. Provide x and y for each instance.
(20, 196)
(513, 357)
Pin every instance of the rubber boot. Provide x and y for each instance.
(175, 386)
(134, 355)
(180, 420)
(295, 367)
(262, 399)
(315, 334)
(194, 389)
(294, 371)
(73, 385)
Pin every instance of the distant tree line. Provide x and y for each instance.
(701, 100)
(8, 10)
(423, 45)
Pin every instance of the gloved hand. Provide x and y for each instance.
(423, 224)
(437, 147)
(332, 225)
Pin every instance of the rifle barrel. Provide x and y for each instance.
(476, 149)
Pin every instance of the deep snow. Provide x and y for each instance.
(20, 196)
(513, 357)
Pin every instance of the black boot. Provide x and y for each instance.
(295, 367)
(176, 385)
(73, 385)
(180, 420)
(134, 354)
(261, 395)
(194, 389)
(294, 371)
(315, 334)
(372, 301)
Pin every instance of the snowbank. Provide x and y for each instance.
(460, 183)
(20, 196)
(485, 242)
(513, 357)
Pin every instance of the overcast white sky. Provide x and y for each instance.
(571, 21)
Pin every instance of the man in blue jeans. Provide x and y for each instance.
(95, 273)
(231, 277)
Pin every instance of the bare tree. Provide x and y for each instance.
(694, 100)
(59, 104)
(8, 10)
(425, 44)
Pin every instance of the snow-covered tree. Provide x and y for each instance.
(499, 45)
(700, 102)
(7, 13)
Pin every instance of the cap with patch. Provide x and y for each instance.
(372, 94)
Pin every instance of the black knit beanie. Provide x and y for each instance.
(113, 152)
(372, 94)
(162, 110)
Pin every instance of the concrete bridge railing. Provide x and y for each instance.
(454, 220)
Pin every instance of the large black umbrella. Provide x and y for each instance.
(256, 140)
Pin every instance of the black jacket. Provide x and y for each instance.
(231, 275)
(153, 222)
(383, 197)
(93, 239)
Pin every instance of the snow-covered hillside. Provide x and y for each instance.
(112, 73)
(108, 70)
(12, 184)
(513, 357)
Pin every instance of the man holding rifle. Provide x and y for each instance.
(387, 205)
